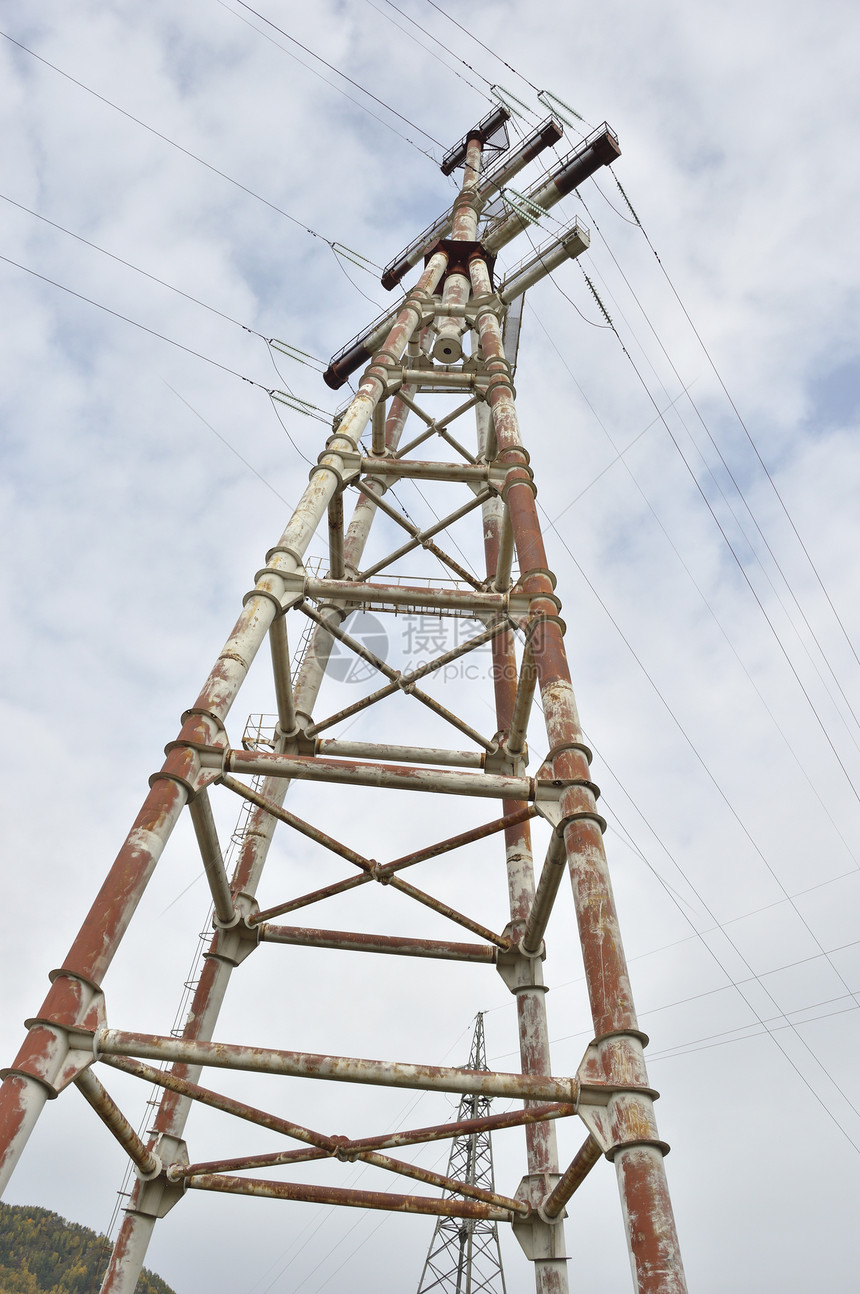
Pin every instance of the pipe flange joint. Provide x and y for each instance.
(518, 476)
(538, 618)
(542, 571)
(583, 815)
(610, 1034)
(264, 593)
(153, 1172)
(577, 781)
(287, 551)
(569, 745)
(653, 1142)
(326, 467)
(500, 380)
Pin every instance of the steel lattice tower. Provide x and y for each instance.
(464, 1255)
(451, 339)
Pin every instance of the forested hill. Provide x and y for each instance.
(42, 1253)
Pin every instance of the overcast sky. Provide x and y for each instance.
(143, 484)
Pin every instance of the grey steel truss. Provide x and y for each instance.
(464, 1255)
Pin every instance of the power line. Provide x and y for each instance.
(173, 144)
(637, 221)
(312, 410)
(338, 72)
(250, 468)
(712, 778)
(363, 106)
(742, 425)
(728, 471)
(740, 567)
(492, 52)
(706, 603)
(438, 42)
(152, 277)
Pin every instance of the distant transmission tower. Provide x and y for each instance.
(372, 783)
(464, 1255)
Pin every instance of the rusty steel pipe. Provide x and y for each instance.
(423, 537)
(434, 426)
(427, 469)
(400, 777)
(377, 435)
(292, 820)
(599, 149)
(573, 1177)
(358, 941)
(463, 1127)
(445, 910)
(174, 1083)
(346, 1149)
(356, 1199)
(341, 747)
(654, 1252)
(523, 976)
(282, 675)
(213, 860)
(247, 1163)
(398, 1166)
(420, 537)
(339, 1069)
(521, 814)
(145, 1160)
(549, 132)
(504, 561)
(554, 867)
(358, 592)
(349, 710)
(335, 532)
(402, 682)
(522, 701)
(381, 873)
(448, 348)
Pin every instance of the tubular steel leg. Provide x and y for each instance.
(541, 1146)
(654, 1249)
(130, 1247)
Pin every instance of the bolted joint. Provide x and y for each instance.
(59, 1042)
(157, 1193)
(521, 971)
(184, 765)
(540, 1238)
(235, 940)
(156, 1170)
(499, 759)
(284, 588)
(520, 474)
(343, 1152)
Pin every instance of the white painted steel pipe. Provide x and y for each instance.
(339, 1069)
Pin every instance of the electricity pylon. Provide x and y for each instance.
(451, 339)
(464, 1255)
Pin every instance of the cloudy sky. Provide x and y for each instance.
(698, 468)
